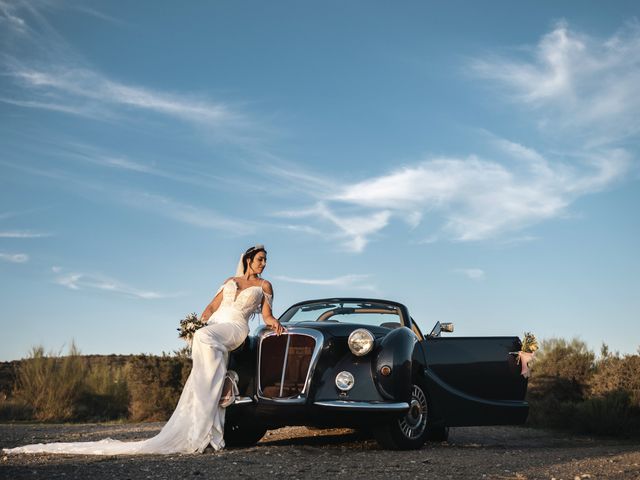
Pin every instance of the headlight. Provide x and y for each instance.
(345, 381)
(360, 342)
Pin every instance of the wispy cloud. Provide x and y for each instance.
(23, 234)
(471, 273)
(14, 257)
(84, 281)
(355, 281)
(581, 91)
(583, 85)
(51, 75)
(186, 213)
(160, 205)
(353, 231)
(86, 92)
(182, 174)
(471, 198)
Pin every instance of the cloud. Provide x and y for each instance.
(98, 157)
(353, 231)
(471, 273)
(9, 18)
(14, 257)
(580, 91)
(479, 199)
(49, 74)
(19, 234)
(83, 281)
(160, 205)
(185, 213)
(579, 84)
(352, 280)
(87, 92)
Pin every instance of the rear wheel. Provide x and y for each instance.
(409, 432)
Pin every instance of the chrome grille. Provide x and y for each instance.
(286, 363)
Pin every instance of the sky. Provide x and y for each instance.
(477, 162)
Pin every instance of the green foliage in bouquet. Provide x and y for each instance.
(188, 327)
(529, 343)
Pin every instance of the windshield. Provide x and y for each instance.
(378, 314)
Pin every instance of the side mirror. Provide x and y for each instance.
(446, 327)
(441, 327)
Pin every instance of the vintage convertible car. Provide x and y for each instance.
(364, 363)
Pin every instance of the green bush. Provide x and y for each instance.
(570, 389)
(610, 414)
(51, 384)
(155, 384)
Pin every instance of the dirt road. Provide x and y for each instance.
(296, 452)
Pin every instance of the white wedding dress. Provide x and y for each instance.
(197, 421)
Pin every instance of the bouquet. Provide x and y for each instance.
(529, 343)
(527, 352)
(188, 326)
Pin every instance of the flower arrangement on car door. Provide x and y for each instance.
(527, 353)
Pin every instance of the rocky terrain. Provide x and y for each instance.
(298, 452)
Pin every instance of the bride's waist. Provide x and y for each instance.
(228, 315)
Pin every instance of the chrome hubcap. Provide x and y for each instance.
(414, 422)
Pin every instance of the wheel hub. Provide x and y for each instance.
(414, 423)
(414, 416)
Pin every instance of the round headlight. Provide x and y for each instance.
(345, 381)
(360, 342)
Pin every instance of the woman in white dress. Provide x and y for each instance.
(198, 420)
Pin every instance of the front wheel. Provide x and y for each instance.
(242, 430)
(409, 432)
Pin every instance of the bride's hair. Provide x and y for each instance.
(250, 254)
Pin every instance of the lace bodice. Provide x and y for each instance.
(248, 300)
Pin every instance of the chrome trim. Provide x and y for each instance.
(242, 400)
(353, 381)
(284, 365)
(302, 396)
(372, 339)
(368, 406)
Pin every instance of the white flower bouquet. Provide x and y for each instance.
(188, 327)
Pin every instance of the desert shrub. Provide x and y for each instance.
(105, 393)
(51, 384)
(14, 409)
(570, 361)
(612, 413)
(155, 384)
(615, 373)
(572, 390)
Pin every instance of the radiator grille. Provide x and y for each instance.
(285, 361)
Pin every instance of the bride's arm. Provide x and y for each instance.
(267, 313)
(213, 304)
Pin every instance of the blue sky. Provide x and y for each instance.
(478, 163)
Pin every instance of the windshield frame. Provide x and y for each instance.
(393, 308)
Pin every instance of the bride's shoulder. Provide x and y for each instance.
(267, 287)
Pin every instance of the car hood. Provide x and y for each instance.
(335, 329)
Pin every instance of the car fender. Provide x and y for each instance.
(396, 351)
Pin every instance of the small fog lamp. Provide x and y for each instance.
(360, 341)
(345, 381)
(385, 370)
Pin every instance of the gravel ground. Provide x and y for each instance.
(298, 452)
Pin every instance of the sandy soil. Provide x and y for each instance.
(298, 452)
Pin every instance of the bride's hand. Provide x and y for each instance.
(278, 327)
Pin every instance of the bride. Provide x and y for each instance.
(198, 420)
